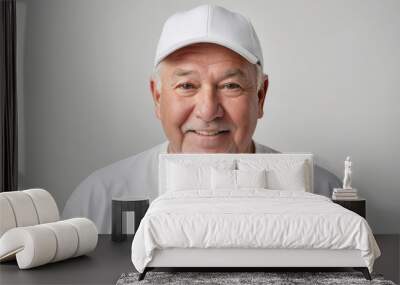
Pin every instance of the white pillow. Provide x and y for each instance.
(251, 178)
(289, 179)
(183, 175)
(236, 179)
(223, 179)
(282, 174)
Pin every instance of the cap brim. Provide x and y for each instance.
(239, 50)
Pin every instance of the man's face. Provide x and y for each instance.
(208, 102)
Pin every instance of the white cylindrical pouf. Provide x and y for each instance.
(87, 233)
(40, 244)
(45, 205)
(33, 246)
(7, 218)
(23, 208)
(67, 239)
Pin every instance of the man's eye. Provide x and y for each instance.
(186, 86)
(231, 86)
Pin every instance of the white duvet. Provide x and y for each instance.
(251, 218)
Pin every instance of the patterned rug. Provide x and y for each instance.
(270, 278)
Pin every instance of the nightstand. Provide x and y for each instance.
(358, 206)
(126, 204)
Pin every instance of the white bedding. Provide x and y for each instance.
(250, 218)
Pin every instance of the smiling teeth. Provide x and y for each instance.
(205, 133)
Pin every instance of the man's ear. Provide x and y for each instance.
(156, 97)
(262, 93)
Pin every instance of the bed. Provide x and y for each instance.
(247, 211)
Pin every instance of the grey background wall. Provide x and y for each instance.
(83, 70)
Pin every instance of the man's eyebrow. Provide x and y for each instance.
(229, 73)
(233, 72)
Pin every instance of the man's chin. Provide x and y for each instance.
(200, 149)
(196, 143)
(207, 150)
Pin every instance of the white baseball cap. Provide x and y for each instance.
(209, 24)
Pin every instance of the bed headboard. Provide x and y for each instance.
(270, 158)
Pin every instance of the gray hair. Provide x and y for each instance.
(156, 76)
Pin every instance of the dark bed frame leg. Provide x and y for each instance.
(364, 271)
(143, 274)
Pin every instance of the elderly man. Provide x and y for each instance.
(209, 91)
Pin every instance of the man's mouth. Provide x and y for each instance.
(209, 132)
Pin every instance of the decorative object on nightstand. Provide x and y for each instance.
(120, 206)
(347, 173)
(344, 194)
(347, 192)
(358, 205)
(347, 196)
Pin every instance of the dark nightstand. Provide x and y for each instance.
(358, 206)
(126, 204)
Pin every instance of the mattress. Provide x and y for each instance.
(250, 219)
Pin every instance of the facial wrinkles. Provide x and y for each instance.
(207, 61)
(194, 121)
(208, 76)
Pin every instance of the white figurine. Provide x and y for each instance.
(347, 174)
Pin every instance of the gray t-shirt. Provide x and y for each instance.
(137, 177)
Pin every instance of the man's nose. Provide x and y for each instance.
(208, 107)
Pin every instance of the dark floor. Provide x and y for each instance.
(389, 262)
(110, 260)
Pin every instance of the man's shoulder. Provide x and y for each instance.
(132, 163)
(260, 148)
